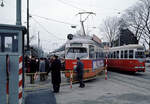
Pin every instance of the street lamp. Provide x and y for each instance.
(2, 3)
(73, 26)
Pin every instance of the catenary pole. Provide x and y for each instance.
(18, 12)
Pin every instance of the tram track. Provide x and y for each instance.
(137, 82)
(140, 76)
(135, 77)
(131, 86)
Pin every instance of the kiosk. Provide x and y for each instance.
(11, 64)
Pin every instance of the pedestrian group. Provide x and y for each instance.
(53, 65)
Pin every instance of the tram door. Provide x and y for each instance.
(11, 90)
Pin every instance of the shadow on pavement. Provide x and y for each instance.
(40, 97)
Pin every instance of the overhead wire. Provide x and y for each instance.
(54, 20)
(46, 29)
(71, 5)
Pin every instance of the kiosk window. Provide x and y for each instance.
(8, 43)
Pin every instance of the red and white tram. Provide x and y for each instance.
(127, 58)
(89, 51)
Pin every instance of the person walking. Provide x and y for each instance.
(55, 73)
(42, 69)
(80, 72)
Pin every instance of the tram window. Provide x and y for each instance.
(117, 54)
(70, 50)
(97, 55)
(77, 50)
(114, 55)
(102, 54)
(130, 53)
(126, 54)
(121, 54)
(139, 55)
(91, 51)
(111, 55)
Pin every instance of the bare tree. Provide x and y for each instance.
(110, 29)
(33, 37)
(138, 19)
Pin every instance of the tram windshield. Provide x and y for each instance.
(139, 54)
(73, 53)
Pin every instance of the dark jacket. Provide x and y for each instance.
(55, 71)
(42, 66)
(80, 68)
(32, 66)
(46, 65)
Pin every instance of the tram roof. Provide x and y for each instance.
(80, 40)
(84, 40)
(127, 47)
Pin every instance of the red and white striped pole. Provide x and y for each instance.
(71, 78)
(20, 80)
(106, 69)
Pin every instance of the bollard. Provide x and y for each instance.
(71, 78)
(20, 94)
(106, 70)
(105, 73)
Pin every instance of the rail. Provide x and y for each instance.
(42, 85)
(35, 86)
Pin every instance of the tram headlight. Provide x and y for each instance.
(70, 36)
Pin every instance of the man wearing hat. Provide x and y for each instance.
(55, 73)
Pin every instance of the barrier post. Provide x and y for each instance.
(106, 69)
(71, 78)
(7, 73)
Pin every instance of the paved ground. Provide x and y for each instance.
(39, 92)
(40, 97)
(120, 88)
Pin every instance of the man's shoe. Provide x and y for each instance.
(55, 91)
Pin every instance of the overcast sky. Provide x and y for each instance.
(53, 34)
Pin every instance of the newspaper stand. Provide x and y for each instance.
(11, 64)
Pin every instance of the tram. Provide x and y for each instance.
(89, 50)
(129, 58)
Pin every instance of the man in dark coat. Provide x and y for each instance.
(55, 73)
(80, 72)
(32, 69)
